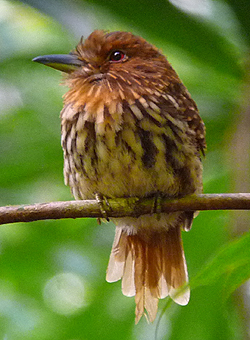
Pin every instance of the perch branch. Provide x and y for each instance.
(120, 207)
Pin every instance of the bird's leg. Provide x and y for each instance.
(103, 205)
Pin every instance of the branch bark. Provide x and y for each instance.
(121, 207)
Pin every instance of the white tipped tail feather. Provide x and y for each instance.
(151, 264)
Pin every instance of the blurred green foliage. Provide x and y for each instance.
(52, 273)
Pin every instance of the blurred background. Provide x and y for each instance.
(52, 273)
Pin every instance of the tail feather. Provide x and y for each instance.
(146, 279)
(140, 271)
(151, 267)
(151, 306)
(117, 259)
(175, 270)
(128, 280)
(163, 287)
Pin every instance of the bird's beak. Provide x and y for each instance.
(62, 62)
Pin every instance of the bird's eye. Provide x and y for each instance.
(117, 56)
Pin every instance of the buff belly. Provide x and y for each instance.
(125, 163)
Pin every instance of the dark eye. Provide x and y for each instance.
(117, 56)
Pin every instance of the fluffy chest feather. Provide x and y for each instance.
(135, 151)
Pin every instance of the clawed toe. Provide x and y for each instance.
(103, 205)
(156, 207)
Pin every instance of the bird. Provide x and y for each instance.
(129, 128)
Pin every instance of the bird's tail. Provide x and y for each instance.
(150, 268)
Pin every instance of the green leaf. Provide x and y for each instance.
(229, 268)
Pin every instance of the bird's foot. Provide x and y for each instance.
(156, 207)
(103, 206)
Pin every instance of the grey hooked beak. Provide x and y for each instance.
(62, 62)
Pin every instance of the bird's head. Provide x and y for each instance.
(119, 64)
(110, 71)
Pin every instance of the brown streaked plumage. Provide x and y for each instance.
(130, 128)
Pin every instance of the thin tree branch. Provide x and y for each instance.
(121, 207)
